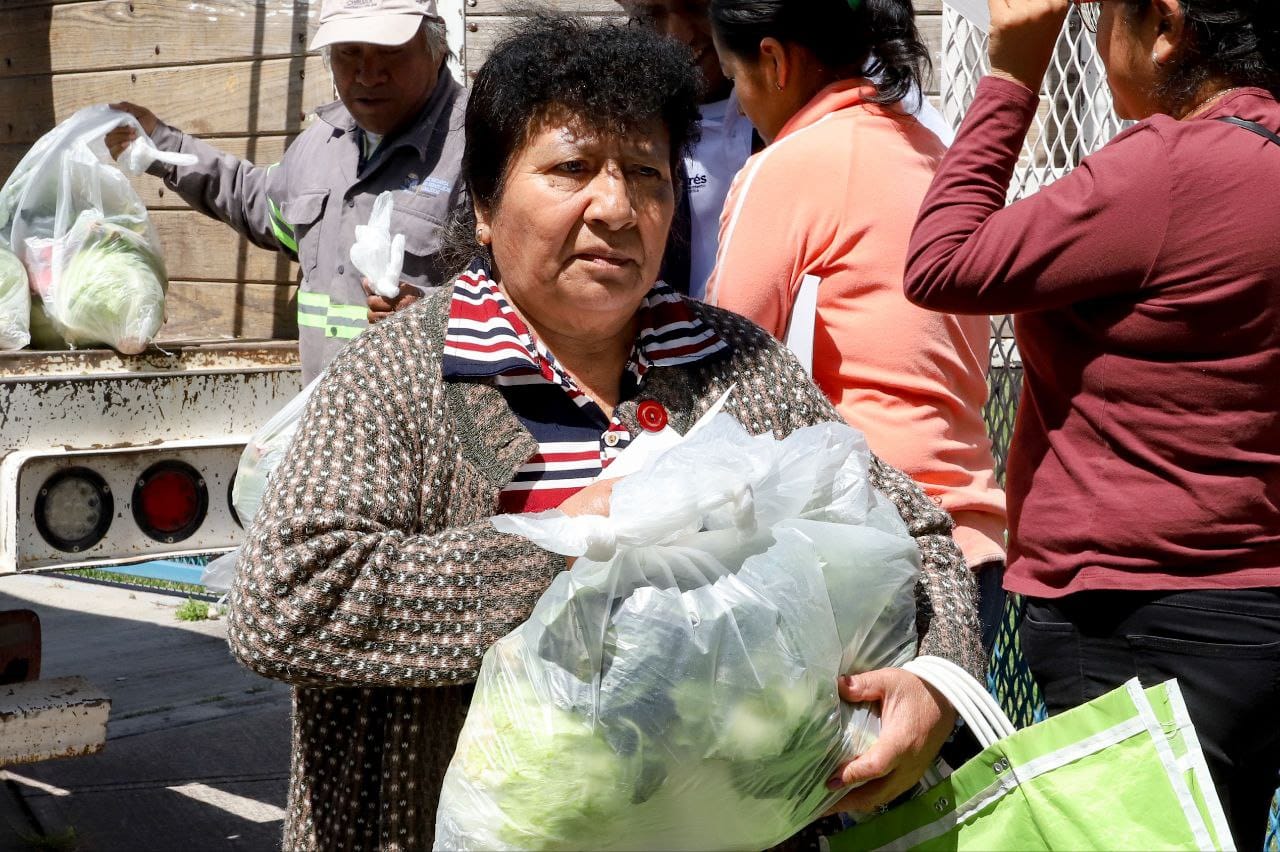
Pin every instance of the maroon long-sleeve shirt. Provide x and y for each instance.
(1146, 285)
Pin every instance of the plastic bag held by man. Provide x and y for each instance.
(677, 688)
(83, 235)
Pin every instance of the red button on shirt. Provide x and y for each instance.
(652, 416)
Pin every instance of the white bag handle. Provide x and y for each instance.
(804, 315)
(970, 699)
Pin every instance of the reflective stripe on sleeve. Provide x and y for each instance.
(317, 310)
(283, 230)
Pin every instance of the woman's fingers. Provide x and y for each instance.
(857, 689)
(1022, 38)
(915, 720)
(592, 500)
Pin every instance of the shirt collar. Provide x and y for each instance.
(486, 337)
(839, 95)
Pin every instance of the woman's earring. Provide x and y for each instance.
(1155, 59)
(482, 234)
(779, 85)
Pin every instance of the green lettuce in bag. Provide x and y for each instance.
(84, 236)
(15, 302)
(676, 688)
(111, 289)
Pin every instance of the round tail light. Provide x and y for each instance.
(170, 501)
(74, 509)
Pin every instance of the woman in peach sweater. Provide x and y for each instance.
(835, 195)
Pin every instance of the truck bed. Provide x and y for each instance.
(187, 357)
(113, 422)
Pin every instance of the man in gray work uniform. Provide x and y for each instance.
(398, 125)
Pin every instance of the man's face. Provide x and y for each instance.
(689, 22)
(384, 87)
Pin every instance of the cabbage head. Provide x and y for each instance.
(111, 291)
(15, 302)
(554, 777)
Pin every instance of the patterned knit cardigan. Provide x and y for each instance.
(373, 581)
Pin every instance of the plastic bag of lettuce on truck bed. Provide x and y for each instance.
(676, 689)
(15, 301)
(84, 236)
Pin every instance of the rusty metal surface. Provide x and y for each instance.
(141, 408)
(46, 719)
(234, 356)
(39, 756)
(53, 403)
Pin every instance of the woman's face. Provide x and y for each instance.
(1126, 39)
(768, 107)
(772, 86)
(579, 230)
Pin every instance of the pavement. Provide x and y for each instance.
(197, 751)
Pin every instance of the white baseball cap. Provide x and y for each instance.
(387, 22)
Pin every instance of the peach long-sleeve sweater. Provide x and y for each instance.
(836, 196)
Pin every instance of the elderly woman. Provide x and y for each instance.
(1145, 468)
(373, 579)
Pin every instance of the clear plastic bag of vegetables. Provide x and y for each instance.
(72, 218)
(15, 301)
(676, 689)
(263, 452)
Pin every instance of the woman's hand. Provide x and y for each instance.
(592, 500)
(915, 720)
(121, 137)
(1023, 33)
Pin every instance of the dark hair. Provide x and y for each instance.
(1234, 41)
(609, 77)
(841, 36)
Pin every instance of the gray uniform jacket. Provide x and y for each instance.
(309, 204)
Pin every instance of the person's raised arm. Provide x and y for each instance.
(245, 196)
(1092, 233)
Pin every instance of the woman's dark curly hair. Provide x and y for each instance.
(606, 77)
(843, 36)
(1227, 41)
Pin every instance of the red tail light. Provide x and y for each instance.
(170, 501)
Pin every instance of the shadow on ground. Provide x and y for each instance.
(197, 748)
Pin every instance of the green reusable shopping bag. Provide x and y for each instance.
(1124, 771)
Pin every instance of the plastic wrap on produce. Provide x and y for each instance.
(84, 236)
(676, 689)
(15, 301)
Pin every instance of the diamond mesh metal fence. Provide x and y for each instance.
(1075, 118)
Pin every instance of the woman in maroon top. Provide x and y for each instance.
(1144, 475)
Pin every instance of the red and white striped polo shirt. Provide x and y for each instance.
(486, 338)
